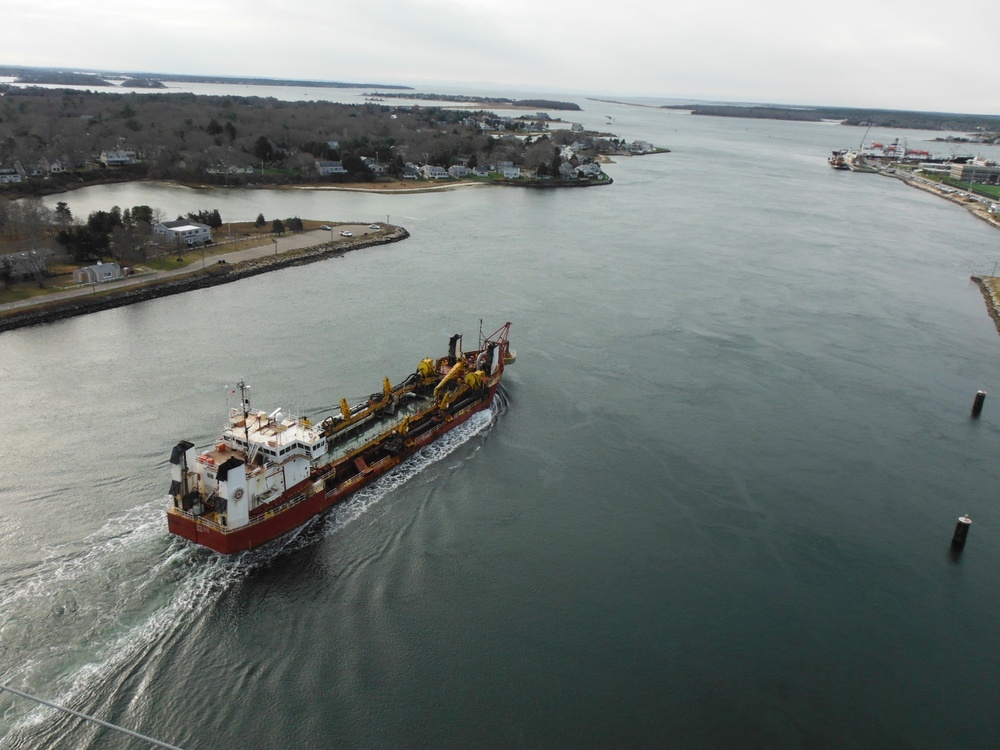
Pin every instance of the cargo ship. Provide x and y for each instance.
(270, 472)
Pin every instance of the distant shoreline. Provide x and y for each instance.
(16, 71)
(400, 187)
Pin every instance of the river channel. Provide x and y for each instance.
(712, 508)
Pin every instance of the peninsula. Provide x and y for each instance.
(52, 140)
(175, 272)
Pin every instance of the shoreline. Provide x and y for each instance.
(221, 272)
(992, 303)
(396, 187)
(974, 207)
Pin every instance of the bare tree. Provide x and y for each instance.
(36, 264)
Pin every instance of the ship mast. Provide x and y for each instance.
(245, 405)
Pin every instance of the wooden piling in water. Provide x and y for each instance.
(961, 532)
(977, 404)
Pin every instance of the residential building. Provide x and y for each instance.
(8, 176)
(99, 273)
(183, 230)
(326, 168)
(433, 172)
(567, 171)
(24, 264)
(117, 157)
(374, 166)
(640, 147)
(458, 171)
(511, 173)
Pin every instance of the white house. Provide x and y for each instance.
(373, 165)
(330, 167)
(458, 171)
(482, 170)
(640, 147)
(9, 175)
(511, 173)
(433, 172)
(117, 157)
(99, 273)
(182, 230)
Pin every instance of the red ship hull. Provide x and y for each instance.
(273, 524)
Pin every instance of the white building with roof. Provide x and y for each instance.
(183, 230)
(99, 273)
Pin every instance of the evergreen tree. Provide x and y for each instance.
(63, 216)
(261, 221)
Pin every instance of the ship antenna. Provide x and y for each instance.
(481, 339)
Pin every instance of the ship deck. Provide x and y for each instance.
(350, 440)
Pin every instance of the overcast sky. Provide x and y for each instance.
(886, 53)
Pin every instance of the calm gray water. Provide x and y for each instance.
(712, 509)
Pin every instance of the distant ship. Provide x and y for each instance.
(270, 473)
(838, 159)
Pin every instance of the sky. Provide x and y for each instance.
(886, 54)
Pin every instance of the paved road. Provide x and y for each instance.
(281, 245)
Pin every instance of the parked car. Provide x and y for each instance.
(327, 227)
(345, 233)
(374, 226)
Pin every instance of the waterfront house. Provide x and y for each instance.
(117, 157)
(433, 172)
(374, 166)
(9, 176)
(640, 147)
(567, 171)
(511, 173)
(326, 168)
(458, 171)
(184, 231)
(482, 170)
(99, 273)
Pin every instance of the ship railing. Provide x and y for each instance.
(271, 512)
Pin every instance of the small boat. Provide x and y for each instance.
(270, 473)
(838, 159)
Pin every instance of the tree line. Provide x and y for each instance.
(233, 140)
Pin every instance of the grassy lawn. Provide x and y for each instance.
(244, 235)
